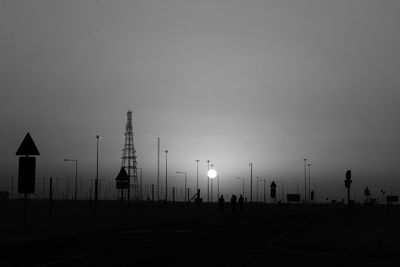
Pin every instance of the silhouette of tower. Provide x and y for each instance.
(129, 157)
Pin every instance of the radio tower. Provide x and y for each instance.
(129, 156)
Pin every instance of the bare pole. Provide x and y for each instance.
(197, 179)
(218, 186)
(158, 168)
(251, 182)
(97, 173)
(257, 190)
(166, 175)
(305, 181)
(309, 183)
(208, 182)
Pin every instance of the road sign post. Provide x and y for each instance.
(347, 184)
(122, 182)
(273, 190)
(27, 169)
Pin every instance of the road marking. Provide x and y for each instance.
(66, 259)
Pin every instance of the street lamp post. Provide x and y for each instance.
(243, 185)
(185, 183)
(305, 181)
(197, 175)
(309, 183)
(166, 175)
(218, 186)
(265, 189)
(211, 174)
(257, 190)
(208, 181)
(251, 182)
(283, 191)
(76, 175)
(141, 184)
(97, 173)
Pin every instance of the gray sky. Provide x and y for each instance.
(268, 82)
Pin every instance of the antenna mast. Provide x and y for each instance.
(129, 157)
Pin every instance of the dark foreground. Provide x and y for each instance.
(181, 235)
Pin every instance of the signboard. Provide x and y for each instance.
(26, 175)
(273, 190)
(122, 180)
(293, 197)
(27, 165)
(392, 198)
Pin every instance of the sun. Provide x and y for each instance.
(212, 173)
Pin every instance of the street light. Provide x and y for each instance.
(257, 189)
(76, 175)
(243, 184)
(305, 181)
(166, 175)
(197, 175)
(211, 175)
(283, 192)
(251, 182)
(265, 189)
(208, 182)
(185, 183)
(309, 183)
(97, 173)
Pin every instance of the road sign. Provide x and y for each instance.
(273, 189)
(26, 175)
(122, 179)
(27, 169)
(27, 147)
(392, 198)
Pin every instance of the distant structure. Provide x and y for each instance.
(129, 157)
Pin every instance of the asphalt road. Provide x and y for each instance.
(256, 237)
(210, 239)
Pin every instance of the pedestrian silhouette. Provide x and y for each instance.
(233, 203)
(221, 202)
(241, 203)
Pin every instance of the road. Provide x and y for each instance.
(210, 239)
(255, 237)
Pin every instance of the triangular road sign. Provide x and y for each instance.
(27, 147)
(122, 175)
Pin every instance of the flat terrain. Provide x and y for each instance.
(155, 234)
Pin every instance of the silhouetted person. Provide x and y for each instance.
(241, 203)
(233, 203)
(221, 202)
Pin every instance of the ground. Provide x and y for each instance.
(154, 234)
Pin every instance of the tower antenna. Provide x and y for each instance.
(129, 157)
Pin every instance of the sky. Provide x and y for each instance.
(233, 82)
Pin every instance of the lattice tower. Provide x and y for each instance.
(129, 156)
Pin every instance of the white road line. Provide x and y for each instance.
(65, 259)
